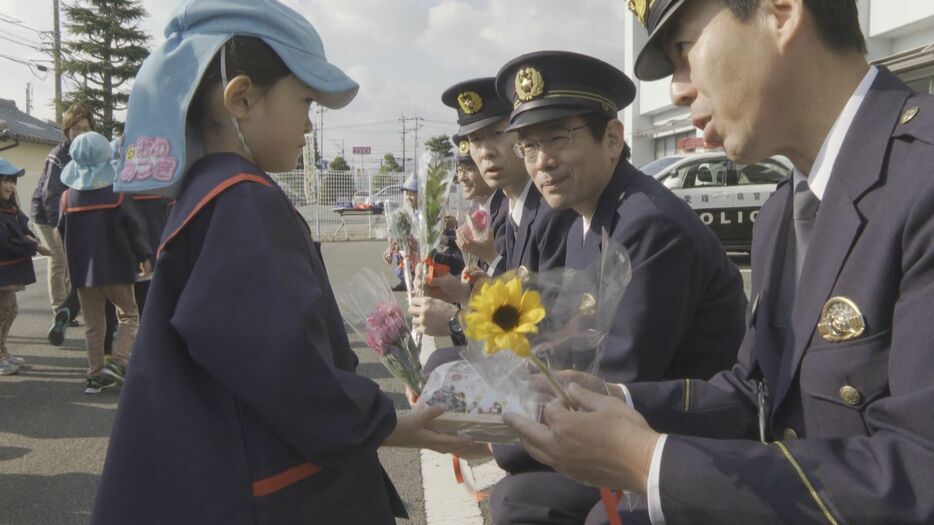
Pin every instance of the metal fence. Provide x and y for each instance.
(326, 199)
(347, 205)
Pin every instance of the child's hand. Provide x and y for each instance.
(412, 431)
(145, 269)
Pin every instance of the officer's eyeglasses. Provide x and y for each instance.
(557, 140)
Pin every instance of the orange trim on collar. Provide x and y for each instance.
(277, 482)
(14, 211)
(220, 188)
(80, 209)
(146, 197)
(11, 262)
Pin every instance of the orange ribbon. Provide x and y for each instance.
(434, 269)
(479, 495)
(611, 499)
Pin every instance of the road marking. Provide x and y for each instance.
(446, 501)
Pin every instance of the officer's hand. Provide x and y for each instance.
(145, 269)
(42, 250)
(430, 316)
(449, 288)
(412, 431)
(605, 444)
(590, 382)
(390, 250)
(485, 250)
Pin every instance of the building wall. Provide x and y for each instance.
(28, 155)
(890, 26)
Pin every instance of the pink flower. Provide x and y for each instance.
(480, 220)
(385, 326)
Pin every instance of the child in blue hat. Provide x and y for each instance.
(17, 247)
(242, 404)
(107, 250)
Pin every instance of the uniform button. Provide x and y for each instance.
(789, 433)
(849, 395)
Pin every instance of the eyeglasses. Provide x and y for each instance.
(556, 140)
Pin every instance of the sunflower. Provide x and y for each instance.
(502, 314)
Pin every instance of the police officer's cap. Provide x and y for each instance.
(652, 64)
(476, 103)
(461, 149)
(549, 85)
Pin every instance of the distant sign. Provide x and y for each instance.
(361, 150)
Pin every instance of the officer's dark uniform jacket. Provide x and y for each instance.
(241, 405)
(685, 300)
(16, 250)
(863, 404)
(48, 194)
(539, 240)
(104, 237)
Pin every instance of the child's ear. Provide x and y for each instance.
(237, 96)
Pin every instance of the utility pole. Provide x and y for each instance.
(28, 98)
(321, 111)
(57, 51)
(415, 155)
(403, 120)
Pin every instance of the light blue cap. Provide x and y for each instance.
(157, 151)
(7, 169)
(410, 184)
(90, 167)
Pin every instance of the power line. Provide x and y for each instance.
(24, 43)
(19, 23)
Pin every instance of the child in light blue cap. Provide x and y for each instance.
(17, 247)
(241, 404)
(106, 250)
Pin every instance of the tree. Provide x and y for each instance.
(339, 164)
(441, 145)
(390, 165)
(106, 51)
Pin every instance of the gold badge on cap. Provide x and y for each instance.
(841, 320)
(529, 84)
(640, 8)
(470, 102)
(464, 147)
(909, 114)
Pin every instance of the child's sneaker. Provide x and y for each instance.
(115, 371)
(8, 368)
(101, 382)
(57, 331)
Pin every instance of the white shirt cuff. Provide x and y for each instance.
(655, 472)
(492, 268)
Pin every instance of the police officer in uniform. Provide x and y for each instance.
(825, 417)
(682, 314)
(531, 233)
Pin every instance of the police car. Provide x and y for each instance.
(726, 195)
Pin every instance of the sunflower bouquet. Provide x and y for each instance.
(544, 323)
(369, 307)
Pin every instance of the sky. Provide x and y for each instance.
(403, 53)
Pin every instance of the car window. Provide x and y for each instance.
(657, 165)
(765, 172)
(705, 173)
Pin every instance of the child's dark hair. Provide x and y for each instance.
(12, 202)
(246, 55)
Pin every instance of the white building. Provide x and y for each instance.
(899, 35)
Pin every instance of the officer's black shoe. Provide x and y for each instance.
(57, 331)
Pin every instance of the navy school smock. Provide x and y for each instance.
(16, 250)
(104, 237)
(241, 404)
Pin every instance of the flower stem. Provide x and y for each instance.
(549, 375)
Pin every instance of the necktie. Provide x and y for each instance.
(805, 215)
(511, 228)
